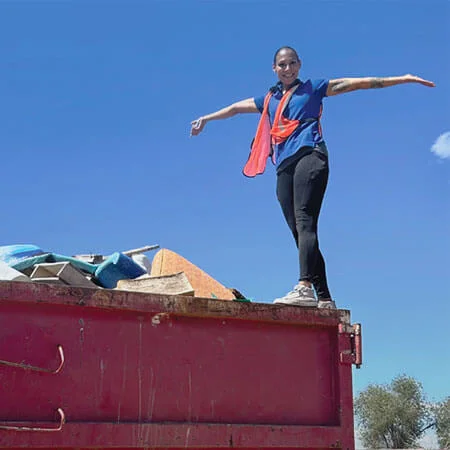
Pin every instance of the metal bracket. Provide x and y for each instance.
(60, 427)
(354, 354)
(38, 369)
(357, 345)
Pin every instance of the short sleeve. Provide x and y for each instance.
(259, 102)
(321, 86)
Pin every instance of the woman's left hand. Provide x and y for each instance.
(414, 79)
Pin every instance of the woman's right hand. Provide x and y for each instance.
(244, 106)
(197, 126)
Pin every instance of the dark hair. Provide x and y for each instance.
(284, 48)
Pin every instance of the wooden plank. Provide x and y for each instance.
(176, 284)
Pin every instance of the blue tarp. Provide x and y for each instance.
(116, 267)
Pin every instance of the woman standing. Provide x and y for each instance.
(290, 130)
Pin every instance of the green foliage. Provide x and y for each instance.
(442, 415)
(394, 415)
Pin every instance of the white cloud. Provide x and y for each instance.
(442, 145)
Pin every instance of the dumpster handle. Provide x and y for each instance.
(357, 341)
(61, 423)
(38, 369)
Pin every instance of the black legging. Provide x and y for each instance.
(300, 190)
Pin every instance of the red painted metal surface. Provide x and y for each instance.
(108, 369)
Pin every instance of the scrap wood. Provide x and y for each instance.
(174, 284)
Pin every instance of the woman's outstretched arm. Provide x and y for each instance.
(342, 85)
(244, 106)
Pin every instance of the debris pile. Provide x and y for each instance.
(168, 273)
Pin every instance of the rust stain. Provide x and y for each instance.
(188, 433)
(140, 368)
(124, 381)
(151, 395)
(190, 393)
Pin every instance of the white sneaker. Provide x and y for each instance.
(299, 296)
(326, 304)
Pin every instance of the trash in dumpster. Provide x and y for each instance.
(9, 274)
(167, 262)
(167, 273)
(30, 259)
(117, 267)
(60, 273)
(26, 265)
(12, 254)
(174, 284)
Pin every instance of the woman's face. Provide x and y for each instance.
(287, 66)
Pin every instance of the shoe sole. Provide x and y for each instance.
(304, 303)
(326, 305)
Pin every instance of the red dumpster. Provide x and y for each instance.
(87, 368)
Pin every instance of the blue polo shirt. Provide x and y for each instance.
(305, 103)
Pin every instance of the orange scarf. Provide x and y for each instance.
(266, 136)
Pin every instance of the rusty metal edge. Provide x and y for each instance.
(175, 435)
(37, 293)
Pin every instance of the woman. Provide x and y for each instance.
(294, 108)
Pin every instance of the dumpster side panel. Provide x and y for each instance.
(183, 369)
(143, 371)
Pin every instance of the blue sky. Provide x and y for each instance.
(96, 102)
